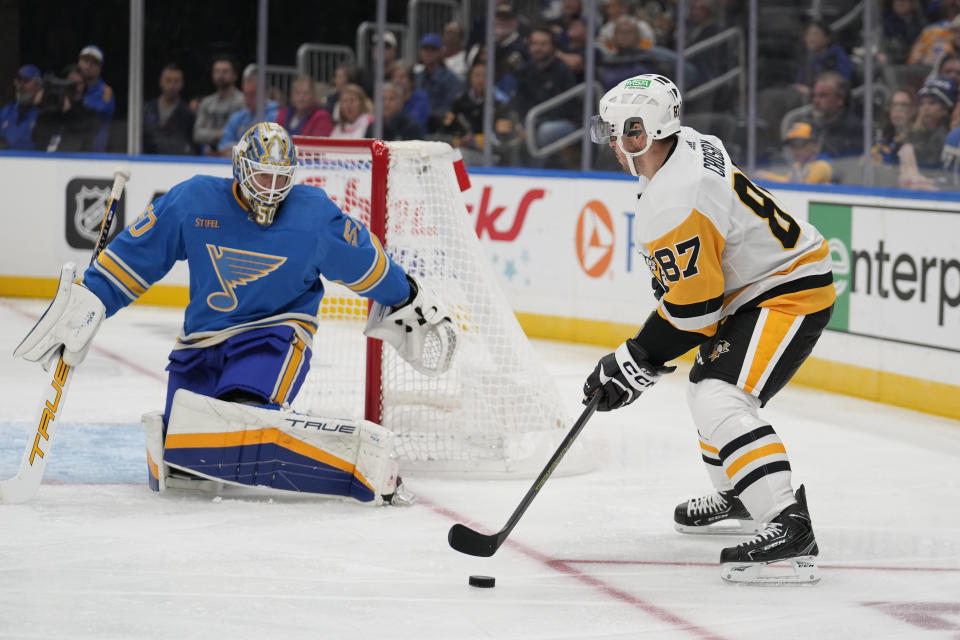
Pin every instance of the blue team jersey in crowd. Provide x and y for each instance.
(243, 276)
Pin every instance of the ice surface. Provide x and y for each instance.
(97, 555)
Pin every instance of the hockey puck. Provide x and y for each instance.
(484, 582)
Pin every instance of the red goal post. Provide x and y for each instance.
(496, 410)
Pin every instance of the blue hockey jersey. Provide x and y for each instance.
(243, 276)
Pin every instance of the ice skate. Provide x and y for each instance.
(784, 552)
(718, 513)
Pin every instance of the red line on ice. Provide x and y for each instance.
(563, 567)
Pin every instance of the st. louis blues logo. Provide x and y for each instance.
(234, 268)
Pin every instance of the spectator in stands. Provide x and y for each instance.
(809, 165)
(902, 24)
(214, 109)
(510, 52)
(949, 67)
(454, 54)
(389, 59)
(303, 117)
(937, 99)
(167, 120)
(951, 156)
(626, 59)
(841, 128)
(397, 124)
(354, 113)
(463, 124)
(570, 10)
(439, 83)
(64, 122)
(346, 73)
(614, 10)
(239, 121)
(99, 96)
(573, 49)
(822, 54)
(18, 118)
(936, 39)
(543, 78)
(416, 102)
(899, 117)
(702, 24)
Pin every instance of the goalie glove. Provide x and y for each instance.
(620, 377)
(420, 329)
(71, 321)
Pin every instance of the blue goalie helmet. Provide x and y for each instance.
(264, 165)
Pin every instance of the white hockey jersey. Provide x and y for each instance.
(717, 243)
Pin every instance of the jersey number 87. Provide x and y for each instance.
(767, 209)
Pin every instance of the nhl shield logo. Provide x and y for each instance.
(86, 204)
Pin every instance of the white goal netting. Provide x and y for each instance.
(496, 410)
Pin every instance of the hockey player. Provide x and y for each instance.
(741, 279)
(255, 247)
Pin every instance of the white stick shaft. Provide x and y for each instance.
(24, 485)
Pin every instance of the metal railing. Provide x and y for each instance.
(320, 61)
(365, 33)
(428, 16)
(738, 73)
(280, 79)
(574, 137)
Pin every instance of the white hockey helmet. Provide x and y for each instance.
(650, 99)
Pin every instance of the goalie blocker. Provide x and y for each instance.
(246, 445)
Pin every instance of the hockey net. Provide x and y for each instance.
(496, 410)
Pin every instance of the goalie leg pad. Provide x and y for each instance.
(157, 471)
(253, 446)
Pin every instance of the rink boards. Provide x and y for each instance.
(564, 249)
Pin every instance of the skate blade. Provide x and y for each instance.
(741, 528)
(799, 570)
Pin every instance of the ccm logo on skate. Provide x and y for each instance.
(322, 426)
(50, 408)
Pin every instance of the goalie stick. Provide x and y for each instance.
(24, 485)
(473, 543)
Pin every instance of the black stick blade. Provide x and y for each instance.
(466, 540)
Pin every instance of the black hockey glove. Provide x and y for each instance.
(620, 377)
(658, 289)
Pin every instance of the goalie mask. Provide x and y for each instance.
(650, 100)
(264, 165)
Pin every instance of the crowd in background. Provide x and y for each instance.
(809, 114)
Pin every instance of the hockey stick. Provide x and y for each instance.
(24, 485)
(466, 540)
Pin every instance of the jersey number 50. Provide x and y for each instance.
(767, 209)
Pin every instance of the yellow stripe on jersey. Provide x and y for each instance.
(376, 272)
(802, 303)
(708, 330)
(772, 334)
(130, 281)
(750, 456)
(294, 363)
